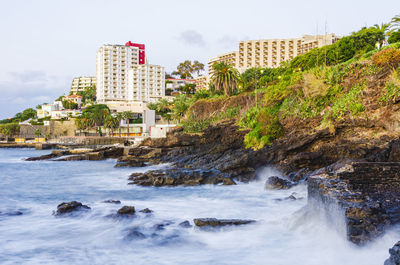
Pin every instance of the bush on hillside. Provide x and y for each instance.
(389, 57)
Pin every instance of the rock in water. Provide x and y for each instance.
(112, 201)
(277, 183)
(134, 234)
(394, 258)
(185, 224)
(126, 210)
(68, 207)
(147, 210)
(201, 222)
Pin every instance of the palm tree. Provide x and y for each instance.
(163, 106)
(119, 118)
(110, 123)
(127, 115)
(225, 78)
(180, 107)
(394, 24)
(80, 124)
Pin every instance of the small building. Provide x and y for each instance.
(46, 110)
(121, 106)
(174, 83)
(66, 113)
(74, 98)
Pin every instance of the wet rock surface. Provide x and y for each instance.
(394, 258)
(185, 224)
(146, 210)
(83, 154)
(126, 211)
(366, 193)
(177, 176)
(112, 201)
(277, 183)
(10, 213)
(70, 207)
(214, 222)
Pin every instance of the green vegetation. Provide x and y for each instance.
(321, 87)
(187, 69)
(68, 104)
(88, 95)
(19, 117)
(93, 117)
(225, 79)
(9, 129)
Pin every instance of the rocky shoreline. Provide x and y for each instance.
(360, 177)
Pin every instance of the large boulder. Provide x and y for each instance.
(394, 258)
(367, 194)
(69, 207)
(178, 176)
(277, 183)
(126, 211)
(214, 222)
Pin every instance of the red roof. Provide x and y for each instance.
(181, 79)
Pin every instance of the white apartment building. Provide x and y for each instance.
(81, 83)
(175, 83)
(145, 82)
(230, 58)
(271, 52)
(112, 64)
(202, 82)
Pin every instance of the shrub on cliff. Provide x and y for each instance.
(387, 58)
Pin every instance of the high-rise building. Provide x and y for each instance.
(81, 83)
(112, 64)
(145, 83)
(230, 58)
(271, 52)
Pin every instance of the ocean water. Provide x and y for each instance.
(286, 232)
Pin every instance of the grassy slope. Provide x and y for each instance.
(363, 91)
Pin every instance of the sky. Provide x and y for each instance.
(45, 43)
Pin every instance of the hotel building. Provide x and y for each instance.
(81, 83)
(112, 64)
(271, 52)
(145, 83)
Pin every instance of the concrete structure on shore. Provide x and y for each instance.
(271, 52)
(81, 83)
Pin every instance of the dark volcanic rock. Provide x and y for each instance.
(126, 210)
(201, 222)
(394, 258)
(69, 207)
(112, 201)
(130, 162)
(366, 193)
(175, 177)
(11, 213)
(185, 224)
(134, 233)
(277, 183)
(146, 210)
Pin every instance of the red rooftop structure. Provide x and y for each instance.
(142, 54)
